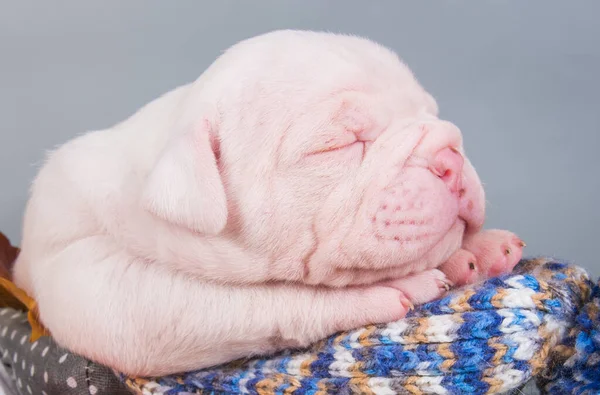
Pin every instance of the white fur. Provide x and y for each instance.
(186, 235)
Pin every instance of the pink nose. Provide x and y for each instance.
(448, 165)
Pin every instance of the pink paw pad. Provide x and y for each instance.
(497, 251)
(462, 268)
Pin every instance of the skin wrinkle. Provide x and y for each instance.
(362, 196)
(309, 255)
(423, 135)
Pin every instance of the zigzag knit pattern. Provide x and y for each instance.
(492, 337)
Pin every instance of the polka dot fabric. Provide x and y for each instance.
(43, 368)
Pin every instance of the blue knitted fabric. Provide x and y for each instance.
(575, 367)
(541, 321)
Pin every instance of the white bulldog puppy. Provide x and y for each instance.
(302, 185)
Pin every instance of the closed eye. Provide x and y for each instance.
(352, 150)
(336, 148)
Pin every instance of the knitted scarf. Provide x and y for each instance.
(542, 321)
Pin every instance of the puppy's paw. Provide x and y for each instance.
(462, 268)
(497, 251)
(422, 287)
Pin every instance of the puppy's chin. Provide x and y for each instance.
(430, 255)
(339, 266)
(449, 243)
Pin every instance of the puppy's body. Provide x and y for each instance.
(270, 203)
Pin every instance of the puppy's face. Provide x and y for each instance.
(340, 166)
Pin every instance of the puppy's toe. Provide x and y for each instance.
(422, 287)
(497, 251)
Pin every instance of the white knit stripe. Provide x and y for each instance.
(381, 386)
(342, 366)
(509, 323)
(516, 281)
(353, 338)
(521, 298)
(528, 344)
(396, 331)
(441, 329)
(294, 366)
(422, 368)
(509, 377)
(431, 385)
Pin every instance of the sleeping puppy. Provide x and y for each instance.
(302, 185)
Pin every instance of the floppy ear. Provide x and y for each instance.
(185, 187)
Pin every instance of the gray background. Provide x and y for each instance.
(519, 78)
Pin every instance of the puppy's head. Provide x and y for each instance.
(321, 152)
